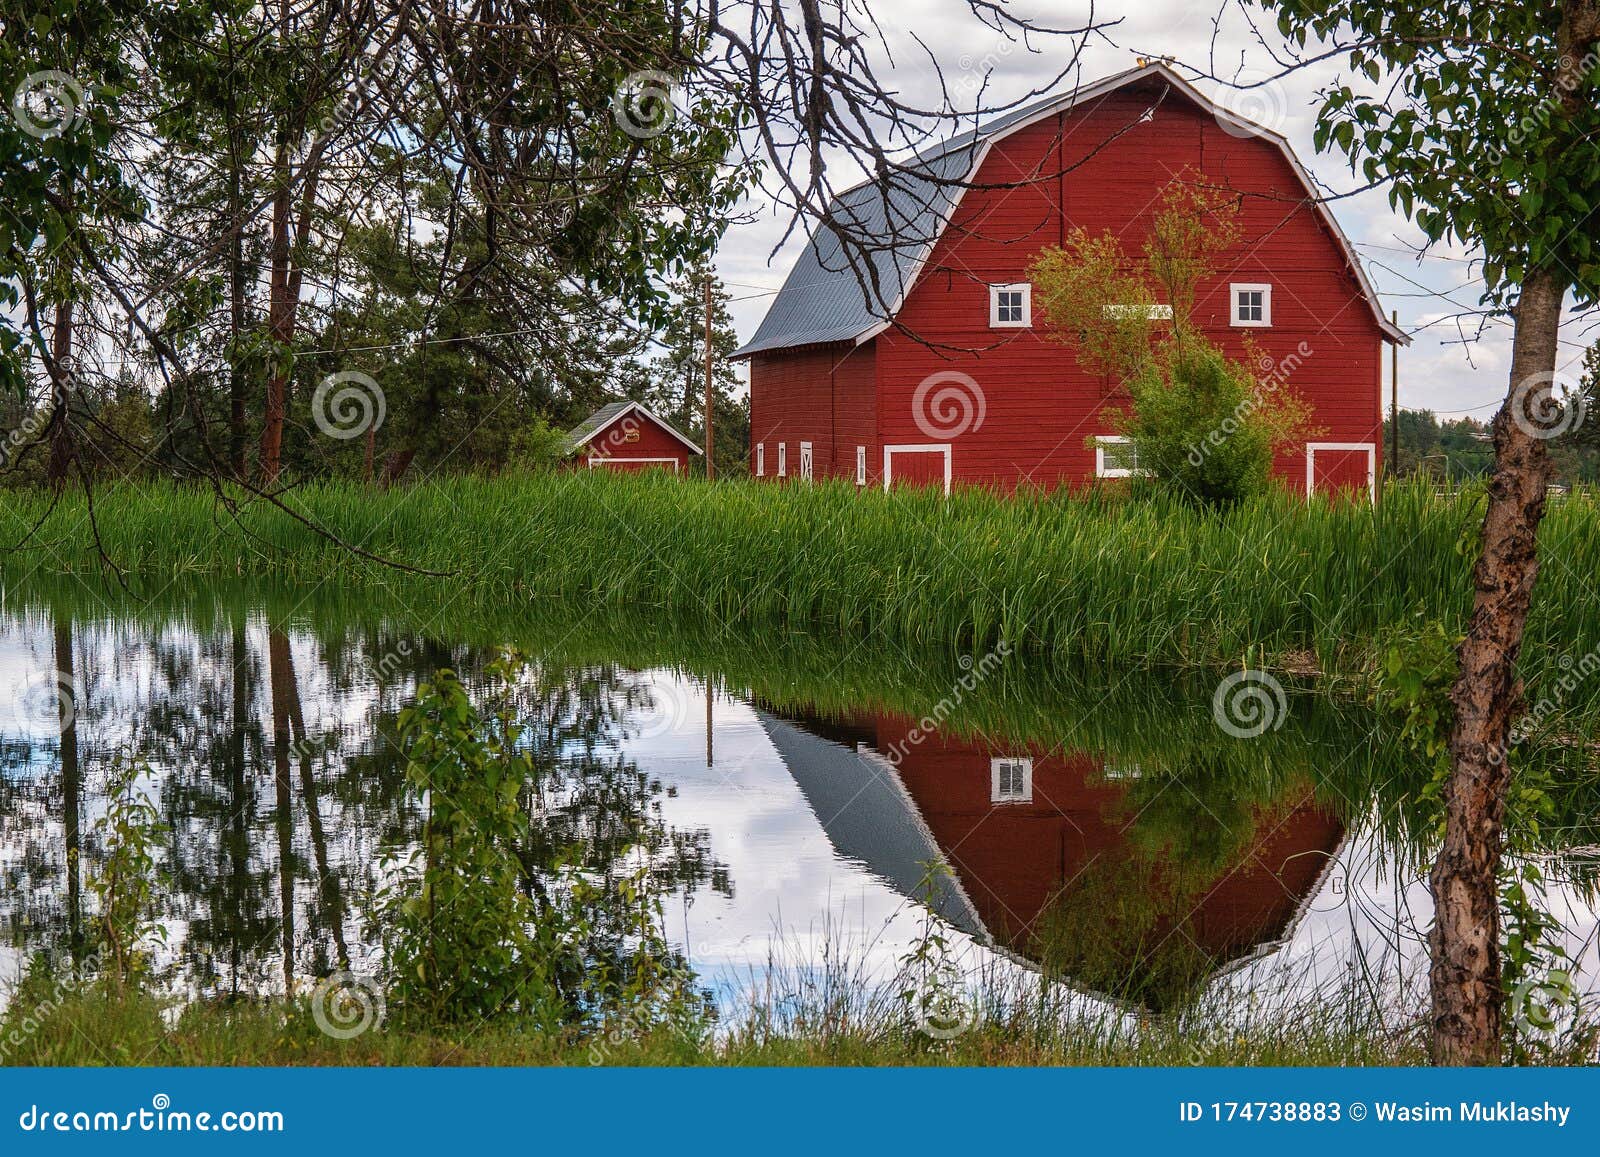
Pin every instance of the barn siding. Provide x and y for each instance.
(1040, 407)
(825, 395)
(654, 442)
(1013, 858)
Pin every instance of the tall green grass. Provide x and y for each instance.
(1150, 582)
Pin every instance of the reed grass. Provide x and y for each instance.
(99, 1027)
(1145, 582)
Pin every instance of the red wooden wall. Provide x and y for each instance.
(1013, 858)
(1039, 407)
(610, 447)
(825, 395)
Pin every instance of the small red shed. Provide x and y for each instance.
(626, 436)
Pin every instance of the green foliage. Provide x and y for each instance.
(1023, 1028)
(476, 927)
(461, 937)
(1451, 451)
(1413, 683)
(1180, 589)
(1203, 424)
(1417, 666)
(537, 446)
(128, 878)
(1485, 123)
(931, 987)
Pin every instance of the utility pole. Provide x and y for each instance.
(1394, 401)
(711, 465)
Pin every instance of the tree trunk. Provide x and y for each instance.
(280, 323)
(1465, 938)
(238, 379)
(60, 461)
(279, 662)
(71, 787)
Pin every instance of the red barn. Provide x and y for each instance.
(626, 436)
(939, 375)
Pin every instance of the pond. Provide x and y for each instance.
(808, 807)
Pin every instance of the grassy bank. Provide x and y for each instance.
(97, 1029)
(1146, 583)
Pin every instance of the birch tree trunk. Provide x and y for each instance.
(1464, 942)
(1465, 939)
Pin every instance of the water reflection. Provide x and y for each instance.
(1106, 834)
(273, 757)
(1059, 856)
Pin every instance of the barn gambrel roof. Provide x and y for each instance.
(823, 298)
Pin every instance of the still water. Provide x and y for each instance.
(805, 806)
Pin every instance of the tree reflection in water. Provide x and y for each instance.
(284, 790)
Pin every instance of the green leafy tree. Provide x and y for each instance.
(675, 375)
(1484, 121)
(1200, 422)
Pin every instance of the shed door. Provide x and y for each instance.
(1345, 468)
(917, 466)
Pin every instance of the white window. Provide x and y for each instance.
(805, 460)
(1115, 457)
(783, 459)
(761, 459)
(1010, 780)
(861, 465)
(1251, 305)
(1011, 306)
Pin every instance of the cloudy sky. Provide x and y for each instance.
(1446, 369)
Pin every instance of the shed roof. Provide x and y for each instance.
(824, 300)
(609, 415)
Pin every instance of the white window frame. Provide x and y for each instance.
(1238, 287)
(910, 448)
(761, 459)
(1372, 464)
(1154, 312)
(807, 461)
(1101, 470)
(861, 465)
(783, 459)
(606, 460)
(1023, 287)
(999, 761)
